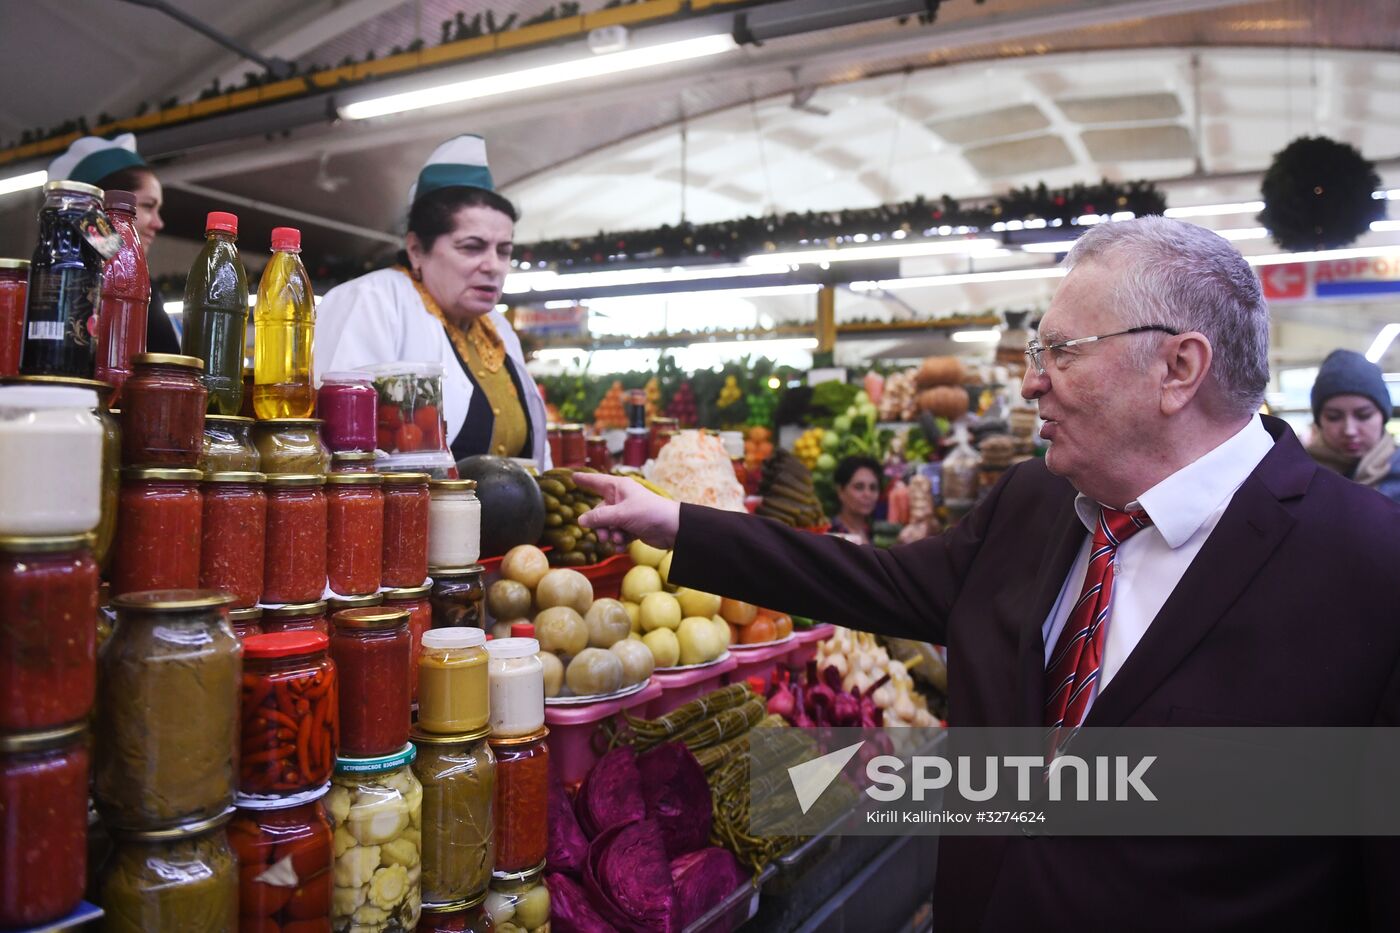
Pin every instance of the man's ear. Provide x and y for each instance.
(1188, 358)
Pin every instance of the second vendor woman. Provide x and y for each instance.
(441, 307)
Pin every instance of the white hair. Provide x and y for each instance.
(1190, 279)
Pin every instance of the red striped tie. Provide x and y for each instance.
(1074, 667)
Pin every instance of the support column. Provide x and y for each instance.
(826, 319)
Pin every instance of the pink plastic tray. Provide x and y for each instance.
(681, 687)
(760, 662)
(805, 642)
(572, 729)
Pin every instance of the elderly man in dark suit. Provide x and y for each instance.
(1248, 587)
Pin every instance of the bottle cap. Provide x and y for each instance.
(513, 647)
(222, 221)
(286, 238)
(119, 201)
(458, 637)
(522, 630)
(284, 644)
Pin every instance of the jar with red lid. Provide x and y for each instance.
(246, 622)
(352, 461)
(233, 536)
(522, 800)
(597, 454)
(354, 532)
(285, 852)
(159, 529)
(296, 617)
(407, 503)
(414, 601)
(43, 835)
(371, 649)
(294, 565)
(466, 916)
(290, 714)
(347, 403)
(163, 407)
(573, 450)
(48, 642)
(14, 286)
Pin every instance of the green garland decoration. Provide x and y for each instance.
(1317, 195)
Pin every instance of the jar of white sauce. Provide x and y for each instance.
(516, 679)
(50, 460)
(454, 523)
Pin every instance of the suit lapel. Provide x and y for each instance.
(1062, 545)
(1247, 534)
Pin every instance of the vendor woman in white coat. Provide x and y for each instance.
(441, 307)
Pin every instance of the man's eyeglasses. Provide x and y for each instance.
(1035, 351)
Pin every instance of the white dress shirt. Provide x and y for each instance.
(1184, 508)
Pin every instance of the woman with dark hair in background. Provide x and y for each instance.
(115, 165)
(857, 482)
(1351, 404)
(439, 305)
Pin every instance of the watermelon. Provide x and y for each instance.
(512, 506)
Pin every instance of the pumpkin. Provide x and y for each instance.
(949, 402)
(940, 371)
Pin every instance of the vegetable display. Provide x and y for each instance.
(564, 502)
(788, 493)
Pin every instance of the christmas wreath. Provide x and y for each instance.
(1317, 195)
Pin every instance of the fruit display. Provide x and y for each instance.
(940, 371)
(409, 412)
(808, 447)
(761, 405)
(512, 509)
(586, 645)
(611, 413)
(653, 396)
(564, 502)
(758, 447)
(679, 626)
(729, 393)
(788, 494)
(683, 407)
(898, 400)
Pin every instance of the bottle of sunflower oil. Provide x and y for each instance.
(283, 321)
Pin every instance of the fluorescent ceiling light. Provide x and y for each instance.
(757, 291)
(542, 76)
(1215, 210)
(789, 343)
(965, 278)
(1385, 226)
(1244, 233)
(1322, 255)
(1382, 342)
(518, 283)
(976, 336)
(1054, 246)
(887, 251)
(175, 308)
(23, 182)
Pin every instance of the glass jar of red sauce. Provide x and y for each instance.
(555, 436)
(294, 565)
(48, 642)
(354, 532)
(407, 502)
(233, 536)
(290, 714)
(163, 407)
(522, 795)
(414, 601)
(352, 461)
(296, 617)
(598, 456)
(246, 622)
(293, 831)
(43, 835)
(14, 287)
(659, 432)
(573, 450)
(159, 527)
(371, 649)
(467, 916)
(347, 403)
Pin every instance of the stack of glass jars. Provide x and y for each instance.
(50, 495)
(455, 767)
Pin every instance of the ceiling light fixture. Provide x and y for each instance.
(783, 343)
(971, 247)
(594, 66)
(965, 278)
(518, 283)
(1382, 342)
(1214, 210)
(23, 182)
(976, 336)
(1323, 255)
(1054, 246)
(1244, 233)
(1385, 226)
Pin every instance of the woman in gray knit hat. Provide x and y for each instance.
(1351, 406)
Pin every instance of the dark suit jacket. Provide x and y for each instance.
(1288, 616)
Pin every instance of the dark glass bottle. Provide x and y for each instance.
(216, 313)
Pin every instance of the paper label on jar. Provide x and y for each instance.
(96, 229)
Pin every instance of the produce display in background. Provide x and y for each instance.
(682, 407)
(808, 447)
(855, 669)
(694, 467)
(611, 413)
(512, 509)
(788, 494)
(571, 545)
(923, 519)
(898, 400)
(758, 447)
